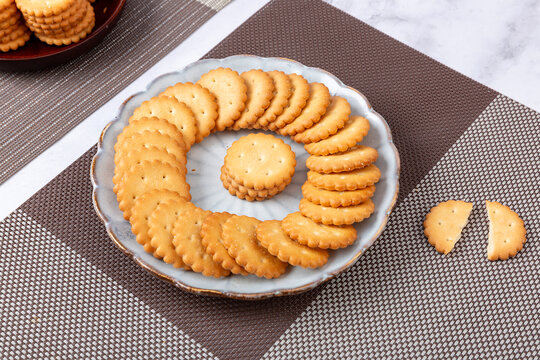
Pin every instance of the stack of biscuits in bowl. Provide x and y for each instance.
(150, 173)
(55, 22)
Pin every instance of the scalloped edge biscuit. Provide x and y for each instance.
(267, 193)
(141, 212)
(507, 233)
(231, 98)
(282, 92)
(212, 241)
(316, 106)
(15, 44)
(352, 133)
(356, 157)
(334, 119)
(272, 237)
(160, 227)
(172, 110)
(260, 92)
(337, 216)
(336, 198)
(187, 243)
(44, 8)
(147, 176)
(69, 39)
(445, 222)
(297, 102)
(234, 192)
(260, 161)
(348, 180)
(310, 233)
(201, 102)
(240, 239)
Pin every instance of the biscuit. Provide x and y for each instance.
(16, 32)
(212, 242)
(240, 240)
(260, 161)
(141, 211)
(282, 92)
(319, 99)
(146, 154)
(147, 176)
(16, 43)
(276, 242)
(234, 192)
(201, 102)
(172, 110)
(7, 30)
(69, 38)
(307, 232)
(297, 102)
(44, 7)
(230, 91)
(356, 157)
(445, 222)
(347, 180)
(336, 198)
(9, 12)
(507, 232)
(266, 193)
(146, 140)
(187, 242)
(160, 227)
(352, 133)
(260, 91)
(71, 12)
(337, 216)
(139, 125)
(67, 27)
(334, 119)
(10, 21)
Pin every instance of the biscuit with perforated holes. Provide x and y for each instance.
(507, 232)
(260, 91)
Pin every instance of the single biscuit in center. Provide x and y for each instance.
(260, 161)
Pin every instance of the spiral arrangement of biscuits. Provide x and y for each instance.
(150, 173)
(55, 22)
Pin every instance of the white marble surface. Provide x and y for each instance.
(495, 42)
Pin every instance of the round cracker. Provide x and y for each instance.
(282, 92)
(139, 125)
(78, 7)
(230, 91)
(187, 242)
(137, 156)
(260, 91)
(352, 133)
(201, 102)
(266, 193)
(18, 31)
(65, 39)
(147, 176)
(141, 211)
(337, 216)
(507, 232)
(160, 227)
(172, 110)
(356, 157)
(44, 8)
(349, 180)
(15, 44)
(260, 161)
(319, 99)
(310, 233)
(234, 192)
(272, 237)
(9, 12)
(212, 241)
(240, 240)
(334, 119)
(336, 198)
(297, 102)
(68, 27)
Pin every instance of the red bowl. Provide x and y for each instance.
(36, 55)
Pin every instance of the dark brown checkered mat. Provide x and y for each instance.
(382, 307)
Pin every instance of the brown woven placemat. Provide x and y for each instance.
(40, 107)
(67, 287)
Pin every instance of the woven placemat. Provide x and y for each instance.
(65, 286)
(40, 107)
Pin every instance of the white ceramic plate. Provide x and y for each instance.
(204, 163)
